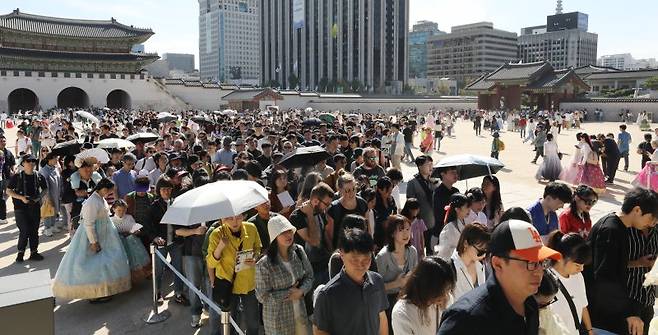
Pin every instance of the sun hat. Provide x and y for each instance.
(277, 225)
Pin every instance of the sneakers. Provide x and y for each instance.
(48, 232)
(181, 300)
(35, 256)
(19, 257)
(196, 321)
(3, 221)
(55, 229)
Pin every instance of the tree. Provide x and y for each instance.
(408, 90)
(652, 83)
(356, 86)
(273, 83)
(293, 81)
(331, 86)
(443, 89)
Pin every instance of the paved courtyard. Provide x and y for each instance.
(123, 314)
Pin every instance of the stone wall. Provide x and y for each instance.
(611, 109)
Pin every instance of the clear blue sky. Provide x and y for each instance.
(622, 26)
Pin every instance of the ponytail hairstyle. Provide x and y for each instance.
(457, 200)
(475, 194)
(572, 246)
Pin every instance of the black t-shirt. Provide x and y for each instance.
(408, 134)
(372, 174)
(441, 199)
(192, 244)
(29, 185)
(337, 212)
(318, 256)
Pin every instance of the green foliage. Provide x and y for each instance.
(652, 83)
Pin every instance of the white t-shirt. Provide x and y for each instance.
(22, 144)
(296, 306)
(575, 285)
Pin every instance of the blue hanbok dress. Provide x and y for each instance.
(85, 274)
(138, 258)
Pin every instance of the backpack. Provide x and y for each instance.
(501, 145)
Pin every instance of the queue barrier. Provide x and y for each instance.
(155, 316)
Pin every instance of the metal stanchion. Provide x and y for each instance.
(225, 320)
(154, 316)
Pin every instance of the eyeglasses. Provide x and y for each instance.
(325, 203)
(554, 300)
(532, 266)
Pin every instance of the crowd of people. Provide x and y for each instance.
(334, 250)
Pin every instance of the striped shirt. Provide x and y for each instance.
(641, 245)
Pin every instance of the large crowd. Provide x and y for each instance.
(335, 250)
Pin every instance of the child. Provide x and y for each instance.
(138, 259)
(428, 140)
(410, 211)
(549, 322)
(478, 201)
(456, 211)
(370, 196)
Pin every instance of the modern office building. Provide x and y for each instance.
(564, 41)
(229, 41)
(626, 62)
(181, 62)
(357, 45)
(469, 51)
(418, 47)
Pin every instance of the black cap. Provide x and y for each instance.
(28, 158)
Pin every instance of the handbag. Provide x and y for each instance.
(572, 307)
(308, 297)
(47, 209)
(222, 292)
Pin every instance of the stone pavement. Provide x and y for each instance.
(123, 314)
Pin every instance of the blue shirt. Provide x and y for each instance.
(224, 157)
(539, 220)
(125, 182)
(624, 139)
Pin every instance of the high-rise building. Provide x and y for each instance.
(229, 41)
(418, 47)
(182, 62)
(320, 44)
(627, 62)
(564, 41)
(469, 51)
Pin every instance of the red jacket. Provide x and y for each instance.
(572, 224)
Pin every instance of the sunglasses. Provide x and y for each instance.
(590, 202)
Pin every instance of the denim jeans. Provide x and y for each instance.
(193, 266)
(213, 327)
(625, 156)
(49, 222)
(176, 253)
(407, 150)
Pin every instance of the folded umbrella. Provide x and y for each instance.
(469, 166)
(115, 143)
(214, 201)
(313, 121)
(304, 156)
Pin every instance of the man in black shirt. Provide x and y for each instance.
(505, 303)
(7, 162)
(408, 134)
(610, 306)
(370, 167)
(645, 149)
(441, 197)
(27, 188)
(612, 157)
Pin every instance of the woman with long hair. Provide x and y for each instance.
(589, 171)
(456, 212)
(396, 259)
(576, 218)
(283, 276)
(570, 171)
(278, 184)
(493, 209)
(550, 167)
(576, 253)
(411, 211)
(467, 258)
(98, 250)
(423, 298)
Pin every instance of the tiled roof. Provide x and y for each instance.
(83, 56)
(480, 84)
(69, 27)
(519, 71)
(242, 95)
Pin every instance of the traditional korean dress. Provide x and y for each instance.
(550, 167)
(85, 274)
(138, 258)
(570, 172)
(590, 172)
(648, 177)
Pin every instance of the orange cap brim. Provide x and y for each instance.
(537, 254)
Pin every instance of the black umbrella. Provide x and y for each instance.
(469, 166)
(304, 156)
(202, 119)
(312, 122)
(142, 138)
(68, 148)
